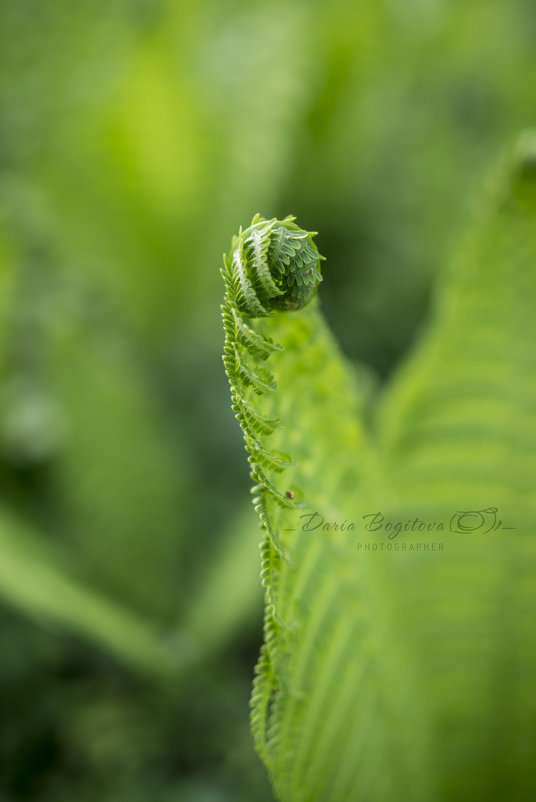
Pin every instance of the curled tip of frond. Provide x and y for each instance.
(273, 265)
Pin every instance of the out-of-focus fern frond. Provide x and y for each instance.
(459, 437)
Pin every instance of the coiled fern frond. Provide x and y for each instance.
(273, 265)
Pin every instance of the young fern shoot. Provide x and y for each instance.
(273, 266)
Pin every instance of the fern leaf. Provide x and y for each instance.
(392, 670)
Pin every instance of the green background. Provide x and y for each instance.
(135, 138)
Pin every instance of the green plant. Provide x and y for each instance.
(398, 662)
(273, 265)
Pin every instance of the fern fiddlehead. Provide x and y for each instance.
(273, 266)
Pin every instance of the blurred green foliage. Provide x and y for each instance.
(134, 139)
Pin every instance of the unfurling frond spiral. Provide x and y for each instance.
(273, 266)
